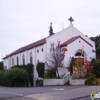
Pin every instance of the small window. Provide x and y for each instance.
(23, 59)
(31, 58)
(37, 51)
(12, 62)
(42, 49)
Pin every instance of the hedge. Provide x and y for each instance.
(96, 69)
(40, 69)
(29, 69)
(15, 77)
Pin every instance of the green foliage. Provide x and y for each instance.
(39, 83)
(98, 50)
(96, 69)
(93, 61)
(40, 69)
(15, 77)
(29, 70)
(97, 42)
(91, 81)
(51, 73)
(72, 64)
(1, 66)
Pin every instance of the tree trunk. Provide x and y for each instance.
(57, 72)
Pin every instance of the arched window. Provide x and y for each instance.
(42, 49)
(12, 62)
(17, 61)
(31, 58)
(23, 59)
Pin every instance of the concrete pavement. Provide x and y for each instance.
(73, 94)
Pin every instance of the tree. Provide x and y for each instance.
(56, 56)
(78, 68)
(72, 64)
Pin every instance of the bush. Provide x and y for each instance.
(93, 61)
(72, 64)
(40, 69)
(51, 73)
(29, 70)
(13, 77)
(98, 82)
(96, 69)
(1, 66)
(39, 82)
(91, 81)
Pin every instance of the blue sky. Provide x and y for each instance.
(25, 21)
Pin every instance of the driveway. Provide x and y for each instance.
(9, 92)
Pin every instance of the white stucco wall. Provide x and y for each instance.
(68, 33)
(73, 47)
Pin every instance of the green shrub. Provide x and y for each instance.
(96, 69)
(93, 61)
(72, 64)
(51, 73)
(91, 81)
(98, 82)
(39, 82)
(29, 70)
(1, 66)
(40, 69)
(15, 77)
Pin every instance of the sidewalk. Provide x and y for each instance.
(61, 95)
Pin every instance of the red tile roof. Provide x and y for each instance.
(32, 45)
(72, 40)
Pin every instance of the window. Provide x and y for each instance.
(17, 61)
(37, 51)
(12, 62)
(42, 49)
(23, 59)
(78, 54)
(31, 58)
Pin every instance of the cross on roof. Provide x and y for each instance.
(71, 19)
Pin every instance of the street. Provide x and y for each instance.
(48, 93)
(8, 92)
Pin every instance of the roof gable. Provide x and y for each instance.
(72, 40)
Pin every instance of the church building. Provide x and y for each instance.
(71, 39)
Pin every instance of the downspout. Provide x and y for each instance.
(34, 69)
(26, 57)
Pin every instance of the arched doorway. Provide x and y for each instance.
(80, 53)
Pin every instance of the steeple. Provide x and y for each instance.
(51, 30)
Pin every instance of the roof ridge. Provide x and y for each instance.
(27, 47)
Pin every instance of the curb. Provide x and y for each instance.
(80, 97)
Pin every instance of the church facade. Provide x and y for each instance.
(76, 44)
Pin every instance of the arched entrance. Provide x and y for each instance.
(80, 53)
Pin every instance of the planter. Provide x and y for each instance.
(77, 81)
(51, 82)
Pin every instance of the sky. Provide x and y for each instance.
(25, 21)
